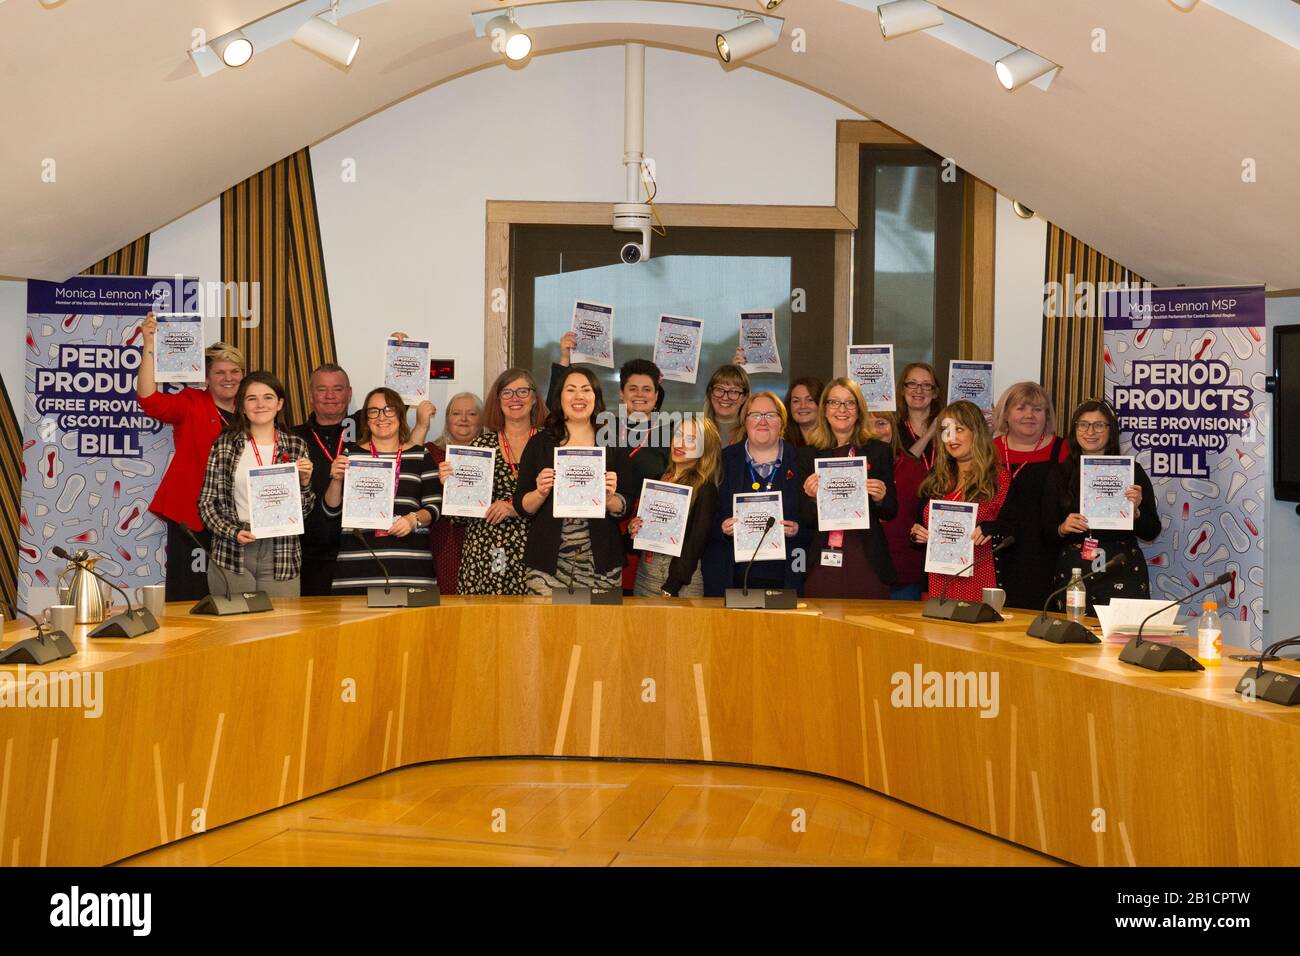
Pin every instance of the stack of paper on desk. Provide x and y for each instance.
(1125, 616)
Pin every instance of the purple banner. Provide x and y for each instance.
(125, 295)
(1183, 308)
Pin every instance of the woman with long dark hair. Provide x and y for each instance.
(801, 401)
(909, 472)
(918, 410)
(562, 552)
(256, 435)
(1094, 430)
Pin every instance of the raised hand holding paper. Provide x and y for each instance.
(971, 382)
(872, 367)
(842, 494)
(593, 325)
(468, 492)
(751, 511)
(274, 501)
(178, 348)
(579, 483)
(677, 347)
(950, 548)
(1103, 480)
(369, 486)
(663, 511)
(758, 342)
(406, 369)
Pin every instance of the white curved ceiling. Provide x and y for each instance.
(1137, 150)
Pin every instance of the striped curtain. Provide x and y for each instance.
(131, 260)
(277, 303)
(1073, 367)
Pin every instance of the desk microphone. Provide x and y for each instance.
(1274, 686)
(968, 612)
(771, 598)
(1060, 631)
(387, 596)
(243, 602)
(1166, 657)
(48, 644)
(132, 623)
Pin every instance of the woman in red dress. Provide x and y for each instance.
(966, 468)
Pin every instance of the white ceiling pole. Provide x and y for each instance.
(634, 117)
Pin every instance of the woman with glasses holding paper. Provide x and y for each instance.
(696, 457)
(1090, 540)
(918, 411)
(403, 546)
(563, 470)
(492, 559)
(464, 424)
(909, 472)
(762, 463)
(232, 503)
(966, 469)
(725, 394)
(848, 561)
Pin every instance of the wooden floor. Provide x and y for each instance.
(593, 813)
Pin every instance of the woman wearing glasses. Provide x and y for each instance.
(966, 468)
(724, 396)
(763, 461)
(1094, 430)
(802, 401)
(918, 411)
(492, 559)
(463, 426)
(854, 563)
(909, 472)
(404, 547)
(563, 552)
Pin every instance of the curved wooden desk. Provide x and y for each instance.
(207, 721)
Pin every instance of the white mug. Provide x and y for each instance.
(995, 598)
(61, 617)
(154, 598)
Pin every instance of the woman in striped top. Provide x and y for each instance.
(403, 548)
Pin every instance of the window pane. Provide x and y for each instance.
(715, 289)
(904, 292)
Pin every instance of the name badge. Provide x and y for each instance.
(832, 559)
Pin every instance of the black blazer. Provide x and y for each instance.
(880, 465)
(542, 550)
(699, 522)
(1026, 569)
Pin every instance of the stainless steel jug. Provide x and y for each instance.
(84, 591)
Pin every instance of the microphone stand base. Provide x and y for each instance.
(1272, 686)
(1061, 631)
(762, 599)
(379, 596)
(967, 612)
(33, 650)
(1159, 657)
(127, 624)
(579, 595)
(221, 606)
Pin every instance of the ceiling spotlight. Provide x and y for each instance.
(1021, 210)
(1184, 5)
(752, 36)
(1020, 67)
(329, 40)
(514, 42)
(234, 48)
(907, 16)
(769, 5)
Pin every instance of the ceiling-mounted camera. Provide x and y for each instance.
(634, 217)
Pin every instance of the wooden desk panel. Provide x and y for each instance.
(209, 721)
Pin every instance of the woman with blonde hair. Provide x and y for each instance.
(1024, 428)
(695, 460)
(854, 563)
(463, 425)
(726, 392)
(966, 468)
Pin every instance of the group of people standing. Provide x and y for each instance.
(1023, 476)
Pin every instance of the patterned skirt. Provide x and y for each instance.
(574, 565)
(652, 572)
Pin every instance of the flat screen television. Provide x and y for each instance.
(1285, 386)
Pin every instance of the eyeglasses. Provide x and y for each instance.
(838, 403)
(764, 416)
(924, 388)
(721, 391)
(523, 392)
(382, 411)
(1092, 426)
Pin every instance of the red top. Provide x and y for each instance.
(196, 422)
(446, 540)
(909, 559)
(1014, 460)
(985, 574)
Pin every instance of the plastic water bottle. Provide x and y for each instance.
(1076, 597)
(1209, 634)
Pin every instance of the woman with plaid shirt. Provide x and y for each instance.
(256, 436)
